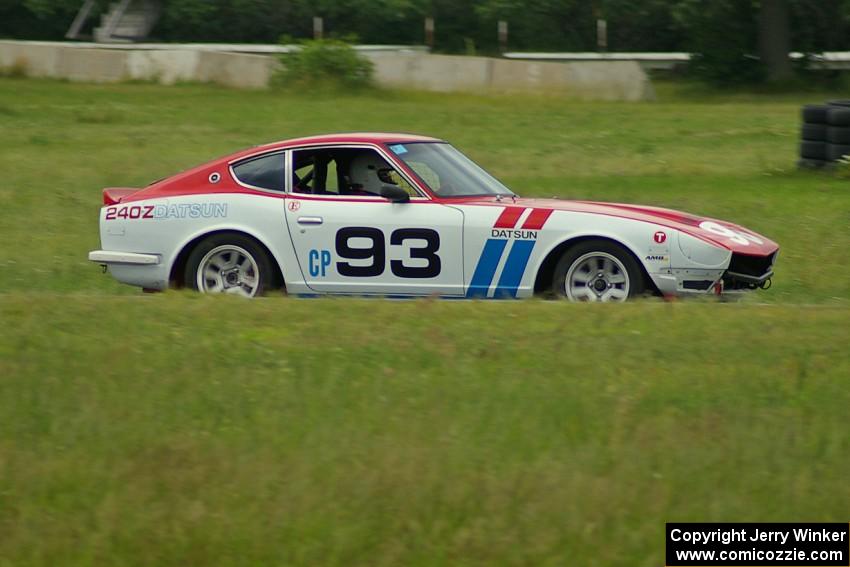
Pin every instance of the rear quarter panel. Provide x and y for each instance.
(165, 225)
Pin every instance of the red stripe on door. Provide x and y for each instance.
(509, 217)
(536, 219)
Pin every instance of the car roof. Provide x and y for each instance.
(337, 138)
(351, 137)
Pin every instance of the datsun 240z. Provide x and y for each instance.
(405, 215)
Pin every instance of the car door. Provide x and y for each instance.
(370, 245)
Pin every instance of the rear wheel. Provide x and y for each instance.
(597, 270)
(229, 263)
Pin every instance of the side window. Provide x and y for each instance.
(266, 172)
(315, 171)
(344, 171)
(302, 181)
(332, 182)
(368, 172)
(394, 178)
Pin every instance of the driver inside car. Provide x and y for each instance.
(368, 173)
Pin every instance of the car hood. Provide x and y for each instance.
(722, 233)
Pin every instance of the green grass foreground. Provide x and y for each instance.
(177, 430)
(183, 430)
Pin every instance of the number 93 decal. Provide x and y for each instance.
(376, 251)
(736, 236)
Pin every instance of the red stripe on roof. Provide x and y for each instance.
(536, 219)
(509, 217)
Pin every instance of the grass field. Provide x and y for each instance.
(183, 430)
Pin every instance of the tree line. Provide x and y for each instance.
(734, 37)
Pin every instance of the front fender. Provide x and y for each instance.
(693, 252)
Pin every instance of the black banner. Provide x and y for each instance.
(761, 545)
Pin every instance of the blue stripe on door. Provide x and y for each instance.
(486, 268)
(514, 268)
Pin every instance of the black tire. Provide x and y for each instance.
(805, 163)
(840, 102)
(579, 253)
(838, 135)
(240, 244)
(837, 151)
(815, 113)
(813, 150)
(838, 116)
(813, 132)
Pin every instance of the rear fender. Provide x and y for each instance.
(177, 262)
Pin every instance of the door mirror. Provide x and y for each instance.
(394, 193)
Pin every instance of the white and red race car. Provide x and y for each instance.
(405, 215)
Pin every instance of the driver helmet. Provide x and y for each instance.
(369, 172)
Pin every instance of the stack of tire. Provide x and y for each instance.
(825, 136)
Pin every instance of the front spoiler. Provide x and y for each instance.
(745, 278)
(676, 283)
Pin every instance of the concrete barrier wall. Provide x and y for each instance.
(603, 80)
(35, 60)
(589, 80)
(112, 65)
(167, 67)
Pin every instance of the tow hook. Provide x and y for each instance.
(766, 284)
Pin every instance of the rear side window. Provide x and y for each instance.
(266, 172)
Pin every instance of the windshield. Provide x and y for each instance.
(446, 171)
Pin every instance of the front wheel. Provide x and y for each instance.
(229, 263)
(597, 270)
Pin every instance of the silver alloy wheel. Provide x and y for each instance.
(228, 269)
(597, 276)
